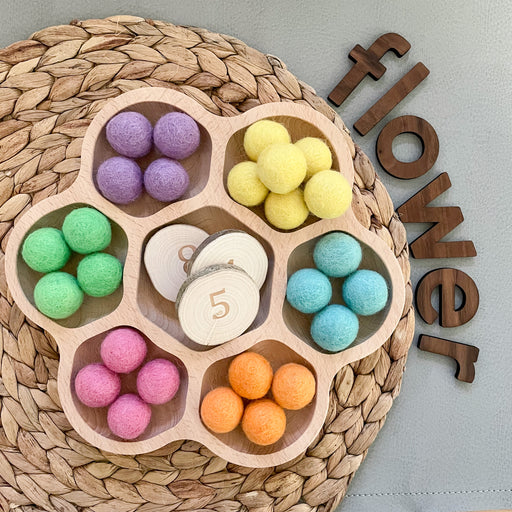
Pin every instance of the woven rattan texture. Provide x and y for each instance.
(51, 86)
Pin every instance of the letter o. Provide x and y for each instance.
(429, 141)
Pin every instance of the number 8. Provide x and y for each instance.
(181, 256)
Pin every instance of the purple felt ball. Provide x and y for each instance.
(176, 135)
(130, 134)
(120, 179)
(166, 180)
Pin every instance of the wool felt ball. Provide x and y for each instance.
(221, 410)
(293, 387)
(123, 350)
(365, 292)
(96, 385)
(45, 250)
(166, 180)
(281, 167)
(286, 211)
(129, 416)
(176, 135)
(244, 186)
(99, 274)
(334, 328)
(130, 134)
(158, 381)
(317, 153)
(119, 180)
(87, 230)
(328, 194)
(250, 375)
(337, 254)
(262, 134)
(264, 422)
(308, 290)
(57, 295)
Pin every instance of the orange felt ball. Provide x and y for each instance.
(221, 410)
(293, 386)
(250, 375)
(264, 422)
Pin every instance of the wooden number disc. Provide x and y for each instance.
(167, 257)
(217, 304)
(233, 247)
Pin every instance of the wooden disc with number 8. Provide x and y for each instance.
(167, 256)
(217, 304)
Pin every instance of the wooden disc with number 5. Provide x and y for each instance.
(217, 304)
(167, 255)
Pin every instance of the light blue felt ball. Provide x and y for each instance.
(308, 290)
(365, 292)
(334, 328)
(337, 254)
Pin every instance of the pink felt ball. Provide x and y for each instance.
(97, 386)
(176, 135)
(158, 381)
(119, 180)
(130, 134)
(123, 350)
(128, 416)
(166, 180)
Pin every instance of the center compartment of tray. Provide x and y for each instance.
(163, 312)
(197, 165)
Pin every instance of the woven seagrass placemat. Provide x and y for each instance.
(51, 86)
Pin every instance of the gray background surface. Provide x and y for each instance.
(446, 445)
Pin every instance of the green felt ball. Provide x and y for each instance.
(45, 250)
(99, 274)
(57, 295)
(87, 230)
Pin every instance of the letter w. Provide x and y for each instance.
(445, 219)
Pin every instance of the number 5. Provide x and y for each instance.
(224, 305)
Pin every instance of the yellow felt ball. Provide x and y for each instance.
(286, 211)
(328, 194)
(317, 153)
(282, 168)
(244, 186)
(262, 134)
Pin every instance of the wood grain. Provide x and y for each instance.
(208, 206)
(367, 62)
(429, 141)
(167, 257)
(464, 355)
(444, 218)
(217, 304)
(392, 98)
(233, 247)
(447, 279)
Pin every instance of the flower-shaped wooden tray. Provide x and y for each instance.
(278, 332)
